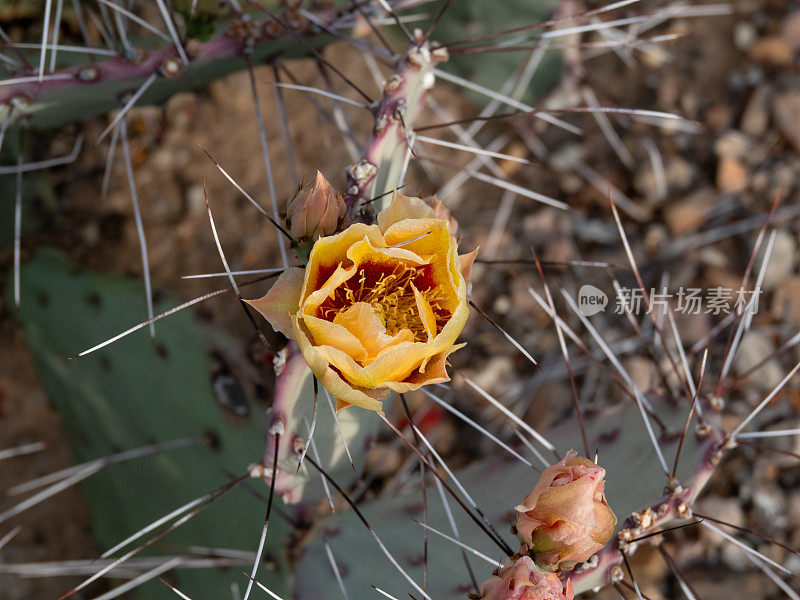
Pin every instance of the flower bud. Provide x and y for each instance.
(566, 518)
(521, 581)
(315, 210)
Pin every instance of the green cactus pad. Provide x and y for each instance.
(634, 481)
(132, 394)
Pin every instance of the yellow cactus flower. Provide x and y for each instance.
(378, 307)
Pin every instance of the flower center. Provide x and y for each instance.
(388, 290)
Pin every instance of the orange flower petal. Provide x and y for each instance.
(403, 207)
(425, 313)
(362, 322)
(465, 263)
(331, 380)
(326, 333)
(434, 372)
(281, 300)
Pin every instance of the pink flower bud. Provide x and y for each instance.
(521, 581)
(315, 210)
(566, 519)
(442, 212)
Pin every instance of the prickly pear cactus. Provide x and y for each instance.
(172, 398)
(635, 489)
(373, 303)
(154, 71)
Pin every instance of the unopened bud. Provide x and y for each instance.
(522, 581)
(315, 210)
(566, 519)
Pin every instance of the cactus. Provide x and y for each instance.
(81, 91)
(172, 399)
(305, 453)
(635, 484)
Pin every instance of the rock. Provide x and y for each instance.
(718, 583)
(753, 348)
(755, 118)
(678, 173)
(655, 240)
(600, 231)
(770, 509)
(641, 371)
(790, 32)
(566, 158)
(772, 50)
(181, 111)
(786, 302)
(731, 176)
(782, 261)
(494, 376)
(689, 213)
(744, 35)
(786, 109)
(730, 511)
(718, 117)
(732, 145)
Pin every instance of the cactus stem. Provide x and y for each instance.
(41, 96)
(128, 105)
(313, 424)
(402, 99)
